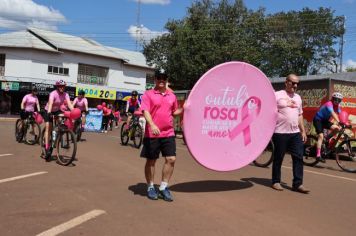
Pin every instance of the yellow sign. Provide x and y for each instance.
(97, 93)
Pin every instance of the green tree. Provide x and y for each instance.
(351, 69)
(215, 32)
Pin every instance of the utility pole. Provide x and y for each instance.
(138, 26)
(342, 42)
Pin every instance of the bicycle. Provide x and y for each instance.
(132, 131)
(78, 128)
(27, 130)
(62, 139)
(342, 147)
(266, 158)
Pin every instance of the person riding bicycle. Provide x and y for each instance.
(29, 103)
(56, 98)
(81, 102)
(321, 120)
(133, 104)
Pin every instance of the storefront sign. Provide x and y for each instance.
(230, 116)
(97, 93)
(10, 86)
(43, 89)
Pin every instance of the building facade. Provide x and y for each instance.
(37, 58)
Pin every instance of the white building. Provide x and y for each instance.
(40, 57)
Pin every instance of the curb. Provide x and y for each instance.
(8, 118)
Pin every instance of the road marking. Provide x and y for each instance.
(318, 173)
(22, 177)
(72, 223)
(7, 154)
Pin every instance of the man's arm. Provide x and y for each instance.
(301, 127)
(178, 111)
(155, 130)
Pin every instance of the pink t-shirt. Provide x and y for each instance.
(58, 99)
(81, 103)
(161, 107)
(30, 102)
(289, 108)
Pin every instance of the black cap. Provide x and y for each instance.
(134, 93)
(81, 92)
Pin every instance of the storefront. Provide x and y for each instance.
(11, 95)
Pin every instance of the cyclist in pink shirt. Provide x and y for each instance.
(159, 105)
(81, 102)
(56, 98)
(29, 103)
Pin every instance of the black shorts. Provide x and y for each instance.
(321, 125)
(152, 147)
(49, 118)
(25, 114)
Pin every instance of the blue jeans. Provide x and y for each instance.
(292, 143)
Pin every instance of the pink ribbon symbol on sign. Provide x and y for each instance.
(250, 110)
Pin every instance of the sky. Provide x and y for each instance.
(114, 22)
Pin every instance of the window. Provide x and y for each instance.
(58, 70)
(89, 74)
(2, 64)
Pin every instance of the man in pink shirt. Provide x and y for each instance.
(159, 105)
(289, 134)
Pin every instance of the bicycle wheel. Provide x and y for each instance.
(138, 136)
(66, 145)
(78, 132)
(19, 130)
(124, 134)
(32, 134)
(266, 158)
(43, 142)
(346, 155)
(309, 155)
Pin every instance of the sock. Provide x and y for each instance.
(163, 186)
(318, 152)
(47, 146)
(150, 185)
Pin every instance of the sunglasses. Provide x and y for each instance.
(293, 83)
(338, 100)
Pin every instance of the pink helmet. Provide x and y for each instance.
(61, 83)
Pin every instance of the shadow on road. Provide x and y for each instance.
(139, 189)
(210, 186)
(265, 182)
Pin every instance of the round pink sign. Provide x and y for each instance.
(230, 116)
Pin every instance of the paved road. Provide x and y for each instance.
(104, 194)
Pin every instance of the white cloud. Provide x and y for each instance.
(349, 1)
(143, 34)
(349, 64)
(162, 2)
(19, 14)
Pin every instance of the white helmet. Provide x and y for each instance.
(337, 95)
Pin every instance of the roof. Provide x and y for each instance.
(345, 76)
(56, 42)
(62, 41)
(23, 39)
(131, 57)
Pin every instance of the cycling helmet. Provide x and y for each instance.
(61, 83)
(81, 92)
(337, 95)
(134, 93)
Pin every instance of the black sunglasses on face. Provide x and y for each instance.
(338, 100)
(293, 83)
